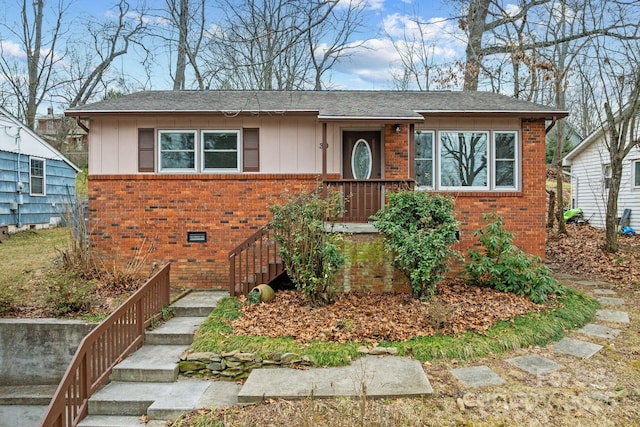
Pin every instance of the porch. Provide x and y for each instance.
(257, 259)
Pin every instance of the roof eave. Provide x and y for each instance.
(483, 113)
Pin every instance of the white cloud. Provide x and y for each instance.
(11, 49)
(375, 4)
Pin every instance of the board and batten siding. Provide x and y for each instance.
(48, 209)
(287, 145)
(587, 182)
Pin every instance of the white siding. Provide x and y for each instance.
(588, 192)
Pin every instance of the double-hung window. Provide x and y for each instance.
(606, 176)
(636, 173)
(199, 151)
(177, 150)
(37, 177)
(424, 159)
(467, 160)
(505, 149)
(220, 150)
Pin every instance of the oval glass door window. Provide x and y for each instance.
(361, 160)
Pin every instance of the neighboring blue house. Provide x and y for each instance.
(37, 183)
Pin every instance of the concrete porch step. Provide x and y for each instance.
(151, 363)
(110, 421)
(197, 303)
(176, 331)
(157, 400)
(27, 394)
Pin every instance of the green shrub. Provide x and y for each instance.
(67, 294)
(419, 229)
(310, 255)
(505, 267)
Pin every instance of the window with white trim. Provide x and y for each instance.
(37, 177)
(636, 173)
(505, 148)
(177, 150)
(220, 150)
(463, 159)
(424, 158)
(606, 176)
(467, 160)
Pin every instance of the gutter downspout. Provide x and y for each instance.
(19, 186)
(551, 125)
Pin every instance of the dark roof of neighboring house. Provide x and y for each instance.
(327, 105)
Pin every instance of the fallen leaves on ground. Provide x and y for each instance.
(376, 317)
(581, 252)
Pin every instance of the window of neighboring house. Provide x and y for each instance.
(220, 150)
(424, 158)
(636, 173)
(37, 181)
(463, 159)
(177, 151)
(505, 149)
(606, 173)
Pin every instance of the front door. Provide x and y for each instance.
(361, 155)
(361, 168)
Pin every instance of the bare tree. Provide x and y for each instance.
(183, 37)
(55, 66)
(275, 44)
(489, 17)
(330, 40)
(30, 87)
(618, 84)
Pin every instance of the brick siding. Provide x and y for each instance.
(150, 215)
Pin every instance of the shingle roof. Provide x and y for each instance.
(325, 104)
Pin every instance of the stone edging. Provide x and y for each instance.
(236, 365)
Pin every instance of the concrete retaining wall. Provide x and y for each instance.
(38, 351)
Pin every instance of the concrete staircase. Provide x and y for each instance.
(146, 384)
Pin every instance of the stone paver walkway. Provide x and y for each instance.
(481, 376)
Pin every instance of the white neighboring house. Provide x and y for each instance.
(590, 173)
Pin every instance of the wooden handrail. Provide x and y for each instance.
(254, 261)
(105, 346)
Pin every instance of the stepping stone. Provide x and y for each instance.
(477, 376)
(611, 301)
(592, 283)
(381, 377)
(535, 364)
(599, 331)
(577, 348)
(604, 292)
(612, 316)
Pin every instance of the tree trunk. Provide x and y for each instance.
(551, 208)
(476, 20)
(181, 60)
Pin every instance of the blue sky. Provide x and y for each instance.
(370, 66)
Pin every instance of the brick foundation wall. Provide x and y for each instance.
(368, 267)
(150, 215)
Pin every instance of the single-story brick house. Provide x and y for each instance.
(186, 176)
